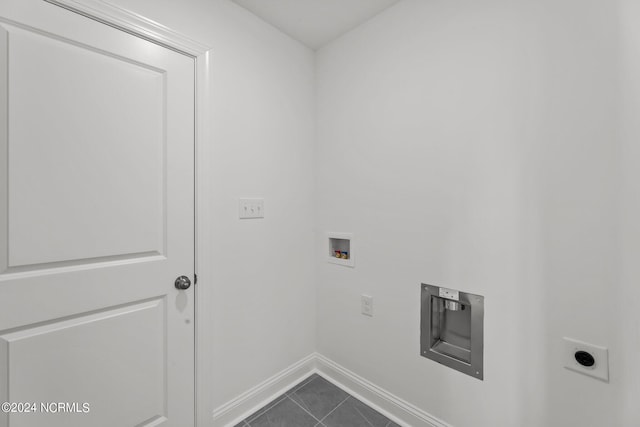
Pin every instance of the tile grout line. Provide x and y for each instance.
(304, 409)
(282, 397)
(265, 409)
(339, 404)
(294, 390)
(297, 387)
(365, 418)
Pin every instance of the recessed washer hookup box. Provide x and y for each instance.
(452, 329)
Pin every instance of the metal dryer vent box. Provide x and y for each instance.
(452, 329)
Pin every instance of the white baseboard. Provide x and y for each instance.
(391, 406)
(234, 411)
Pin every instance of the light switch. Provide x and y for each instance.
(250, 208)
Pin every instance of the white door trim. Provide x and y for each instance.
(145, 28)
(134, 23)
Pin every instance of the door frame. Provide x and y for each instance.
(201, 54)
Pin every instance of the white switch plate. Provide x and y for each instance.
(366, 302)
(599, 370)
(250, 208)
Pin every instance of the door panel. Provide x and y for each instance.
(96, 222)
(69, 159)
(93, 346)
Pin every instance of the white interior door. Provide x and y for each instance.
(96, 223)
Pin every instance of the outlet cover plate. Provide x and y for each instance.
(599, 370)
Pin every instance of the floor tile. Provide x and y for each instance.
(285, 414)
(302, 383)
(353, 413)
(319, 397)
(264, 409)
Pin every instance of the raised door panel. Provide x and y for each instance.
(108, 368)
(86, 149)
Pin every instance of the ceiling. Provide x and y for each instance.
(315, 22)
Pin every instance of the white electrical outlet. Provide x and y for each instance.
(366, 305)
(250, 208)
(587, 359)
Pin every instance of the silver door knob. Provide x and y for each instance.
(182, 283)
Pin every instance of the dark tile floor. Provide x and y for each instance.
(316, 402)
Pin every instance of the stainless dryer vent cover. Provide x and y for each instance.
(452, 329)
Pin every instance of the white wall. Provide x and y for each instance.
(488, 146)
(629, 207)
(475, 145)
(262, 146)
